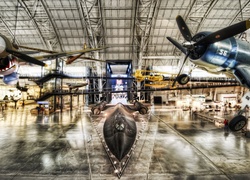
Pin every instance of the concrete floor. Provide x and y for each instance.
(172, 145)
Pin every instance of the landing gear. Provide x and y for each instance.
(143, 110)
(140, 107)
(183, 79)
(237, 123)
(96, 111)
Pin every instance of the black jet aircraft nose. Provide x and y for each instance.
(119, 133)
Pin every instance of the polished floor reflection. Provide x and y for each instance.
(173, 144)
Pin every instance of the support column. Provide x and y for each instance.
(70, 100)
(215, 94)
(99, 73)
(139, 67)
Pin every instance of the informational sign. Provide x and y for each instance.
(42, 102)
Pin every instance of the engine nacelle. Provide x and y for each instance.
(96, 110)
(11, 79)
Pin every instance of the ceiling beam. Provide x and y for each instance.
(240, 11)
(80, 12)
(88, 21)
(29, 14)
(54, 27)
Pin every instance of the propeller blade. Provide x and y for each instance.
(178, 45)
(25, 57)
(225, 33)
(183, 28)
(180, 69)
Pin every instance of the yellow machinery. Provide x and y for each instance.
(156, 79)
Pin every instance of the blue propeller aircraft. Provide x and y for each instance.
(218, 52)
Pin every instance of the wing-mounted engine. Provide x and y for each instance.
(139, 107)
(242, 74)
(96, 110)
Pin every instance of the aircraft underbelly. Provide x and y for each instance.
(242, 74)
(207, 66)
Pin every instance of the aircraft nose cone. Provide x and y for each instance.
(2, 45)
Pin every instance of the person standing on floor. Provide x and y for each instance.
(226, 124)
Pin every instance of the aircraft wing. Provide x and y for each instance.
(76, 85)
(93, 59)
(62, 54)
(37, 49)
(76, 58)
(137, 106)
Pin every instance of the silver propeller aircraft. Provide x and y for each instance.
(218, 52)
(10, 56)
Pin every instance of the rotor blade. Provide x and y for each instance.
(180, 69)
(183, 28)
(178, 45)
(26, 58)
(225, 33)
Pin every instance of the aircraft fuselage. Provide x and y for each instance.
(225, 54)
(120, 131)
(229, 55)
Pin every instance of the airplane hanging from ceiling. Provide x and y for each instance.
(21, 88)
(70, 59)
(216, 52)
(10, 56)
(154, 79)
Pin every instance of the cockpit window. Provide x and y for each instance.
(119, 122)
(119, 126)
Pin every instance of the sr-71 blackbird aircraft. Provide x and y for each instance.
(218, 52)
(119, 131)
(9, 57)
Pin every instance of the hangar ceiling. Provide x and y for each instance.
(132, 29)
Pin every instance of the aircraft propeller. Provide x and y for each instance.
(178, 45)
(183, 28)
(192, 44)
(25, 57)
(6, 47)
